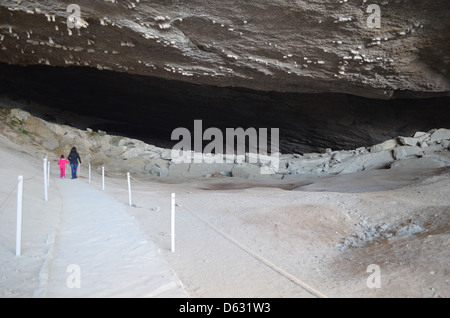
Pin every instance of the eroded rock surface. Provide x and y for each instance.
(284, 46)
(121, 154)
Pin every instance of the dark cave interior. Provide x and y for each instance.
(149, 108)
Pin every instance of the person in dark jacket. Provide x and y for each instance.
(74, 158)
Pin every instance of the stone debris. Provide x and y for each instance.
(427, 149)
(367, 233)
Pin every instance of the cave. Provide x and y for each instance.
(149, 108)
(356, 205)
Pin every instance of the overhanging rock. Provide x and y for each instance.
(298, 46)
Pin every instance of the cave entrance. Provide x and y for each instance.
(149, 108)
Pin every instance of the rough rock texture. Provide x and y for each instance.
(121, 154)
(284, 46)
(150, 109)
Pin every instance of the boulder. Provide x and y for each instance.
(67, 140)
(41, 132)
(51, 143)
(445, 144)
(306, 163)
(157, 167)
(436, 148)
(166, 154)
(364, 162)
(132, 152)
(336, 157)
(202, 169)
(19, 114)
(386, 145)
(248, 171)
(37, 127)
(408, 141)
(178, 170)
(431, 162)
(440, 134)
(403, 152)
(375, 161)
(421, 134)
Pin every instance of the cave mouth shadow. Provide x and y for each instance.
(149, 109)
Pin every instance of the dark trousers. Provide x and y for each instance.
(74, 170)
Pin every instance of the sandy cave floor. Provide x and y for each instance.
(323, 234)
(325, 240)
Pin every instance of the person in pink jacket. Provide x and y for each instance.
(62, 166)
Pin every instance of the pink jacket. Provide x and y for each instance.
(62, 162)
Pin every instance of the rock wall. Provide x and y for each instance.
(122, 154)
(285, 46)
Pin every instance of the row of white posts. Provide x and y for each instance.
(172, 213)
(46, 185)
(172, 205)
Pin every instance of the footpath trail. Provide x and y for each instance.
(100, 251)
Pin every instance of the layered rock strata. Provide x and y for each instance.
(376, 49)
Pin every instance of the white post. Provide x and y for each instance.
(172, 223)
(48, 173)
(45, 180)
(79, 170)
(129, 188)
(103, 178)
(89, 173)
(19, 216)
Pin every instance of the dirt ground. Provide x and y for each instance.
(260, 241)
(245, 238)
